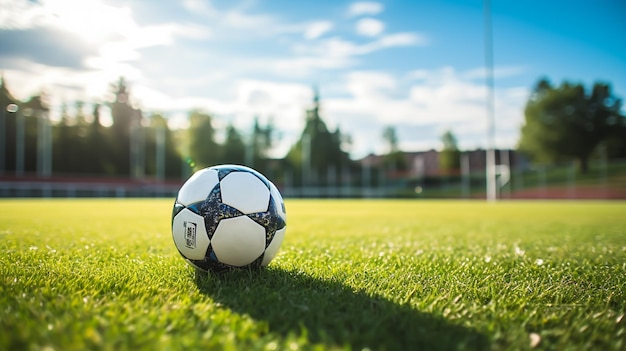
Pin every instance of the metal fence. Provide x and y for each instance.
(603, 180)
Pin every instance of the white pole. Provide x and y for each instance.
(465, 173)
(19, 144)
(160, 153)
(249, 152)
(331, 181)
(491, 154)
(306, 159)
(603, 170)
(11, 108)
(142, 150)
(41, 139)
(505, 168)
(571, 189)
(132, 138)
(3, 148)
(365, 179)
(44, 144)
(48, 159)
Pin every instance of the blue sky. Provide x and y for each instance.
(416, 65)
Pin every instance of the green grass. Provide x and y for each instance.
(390, 275)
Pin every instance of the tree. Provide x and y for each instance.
(203, 149)
(234, 148)
(394, 158)
(97, 145)
(126, 131)
(259, 145)
(162, 156)
(318, 151)
(450, 156)
(565, 122)
(391, 138)
(63, 140)
(83, 155)
(9, 107)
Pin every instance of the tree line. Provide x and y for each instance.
(561, 123)
(138, 146)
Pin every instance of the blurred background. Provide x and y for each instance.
(413, 99)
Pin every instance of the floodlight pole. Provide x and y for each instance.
(19, 143)
(306, 159)
(44, 144)
(490, 164)
(3, 110)
(160, 153)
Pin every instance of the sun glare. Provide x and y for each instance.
(94, 21)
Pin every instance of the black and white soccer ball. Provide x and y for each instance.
(228, 216)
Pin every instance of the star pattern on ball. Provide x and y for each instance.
(213, 210)
(270, 220)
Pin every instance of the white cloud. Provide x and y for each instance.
(316, 29)
(393, 40)
(88, 19)
(401, 39)
(275, 84)
(247, 98)
(236, 21)
(335, 52)
(20, 14)
(440, 99)
(305, 65)
(337, 47)
(282, 103)
(498, 72)
(373, 85)
(245, 21)
(365, 8)
(112, 32)
(369, 27)
(200, 7)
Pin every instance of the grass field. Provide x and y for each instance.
(389, 275)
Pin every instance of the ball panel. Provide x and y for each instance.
(213, 210)
(197, 264)
(177, 208)
(238, 241)
(270, 220)
(224, 170)
(190, 235)
(198, 186)
(209, 263)
(272, 249)
(228, 216)
(278, 199)
(245, 192)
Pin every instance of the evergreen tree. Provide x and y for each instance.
(9, 109)
(32, 110)
(259, 145)
(450, 156)
(97, 145)
(161, 151)
(203, 149)
(62, 135)
(319, 150)
(234, 148)
(126, 120)
(394, 159)
(83, 156)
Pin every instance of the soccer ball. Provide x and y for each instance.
(228, 216)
